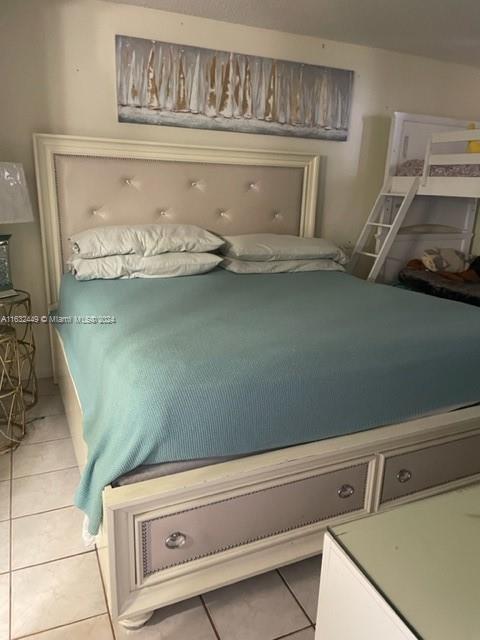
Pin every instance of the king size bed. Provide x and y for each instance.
(223, 421)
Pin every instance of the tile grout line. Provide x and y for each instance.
(41, 564)
(29, 444)
(42, 473)
(210, 619)
(39, 513)
(59, 626)
(294, 597)
(292, 633)
(114, 635)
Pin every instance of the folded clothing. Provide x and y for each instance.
(166, 265)
(263, 247)
(279, 266)
(144, 240)
(470, 275)
(445, 260)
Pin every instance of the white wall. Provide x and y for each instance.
(57, 75)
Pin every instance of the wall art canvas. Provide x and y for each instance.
(176, 85)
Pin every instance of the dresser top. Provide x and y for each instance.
(424, 557)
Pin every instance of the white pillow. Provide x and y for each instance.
(279, 266)
(143, 239)
(271, 246)
(166, 265)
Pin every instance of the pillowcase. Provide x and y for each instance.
(166, 265)
(449, 260)
(143, 239)
(271, 246)
(279, 266)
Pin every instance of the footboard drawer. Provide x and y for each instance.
(434, 465)
(228, 523)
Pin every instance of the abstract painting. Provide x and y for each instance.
(183, 86)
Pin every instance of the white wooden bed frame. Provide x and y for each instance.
(432, 139)
(446, 200)
(389, 465)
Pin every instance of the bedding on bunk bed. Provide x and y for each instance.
(415, 168)
(436, 284)
(225, 365)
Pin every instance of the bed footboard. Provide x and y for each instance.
(175, 537)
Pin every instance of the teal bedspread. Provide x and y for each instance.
(222, 364)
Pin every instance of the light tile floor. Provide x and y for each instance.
(50, 583)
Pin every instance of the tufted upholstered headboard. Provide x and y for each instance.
(87, 182)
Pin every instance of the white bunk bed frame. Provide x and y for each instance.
(449, 132)
(432, 200)
(174, 537)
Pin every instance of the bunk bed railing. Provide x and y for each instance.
(442, 137)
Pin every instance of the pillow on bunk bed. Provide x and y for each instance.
(446, 260)
(264, 247)
(279, 266)
(143, 239)
(165, 265)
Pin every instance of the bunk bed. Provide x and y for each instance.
(430, 164)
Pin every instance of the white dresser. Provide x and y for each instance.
(408, 573)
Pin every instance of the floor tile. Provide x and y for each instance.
(4, 605)
(97, 628)
(5, 462)
(34, 494)
(260, 608)
(4, 500)
(47, 387)
(48, 428)
(30, 459)
(4, 547)
(185, 620)
(56, 594)
(47, 536)
(46, 406)
(306, 634)
(303, 578)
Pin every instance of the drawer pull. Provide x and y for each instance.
(346, 491)
(175, 540)
(404, 475)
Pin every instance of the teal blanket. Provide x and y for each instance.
(223, 364)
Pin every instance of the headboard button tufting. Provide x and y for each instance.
(97, 212)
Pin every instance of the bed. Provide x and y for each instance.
(290, 462)
(433, 150)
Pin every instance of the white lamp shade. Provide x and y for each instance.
(15, 205)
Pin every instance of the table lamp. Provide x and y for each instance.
(15, 207)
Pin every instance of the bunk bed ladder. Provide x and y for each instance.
(376, 220)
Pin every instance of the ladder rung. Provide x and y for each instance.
(393, 194)
(380, 224)
(370, 255)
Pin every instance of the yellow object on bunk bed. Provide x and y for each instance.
(473, 145)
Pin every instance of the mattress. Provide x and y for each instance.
(415, 168)
(436, 285)
(223, 365)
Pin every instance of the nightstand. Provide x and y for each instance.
(18, 382)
